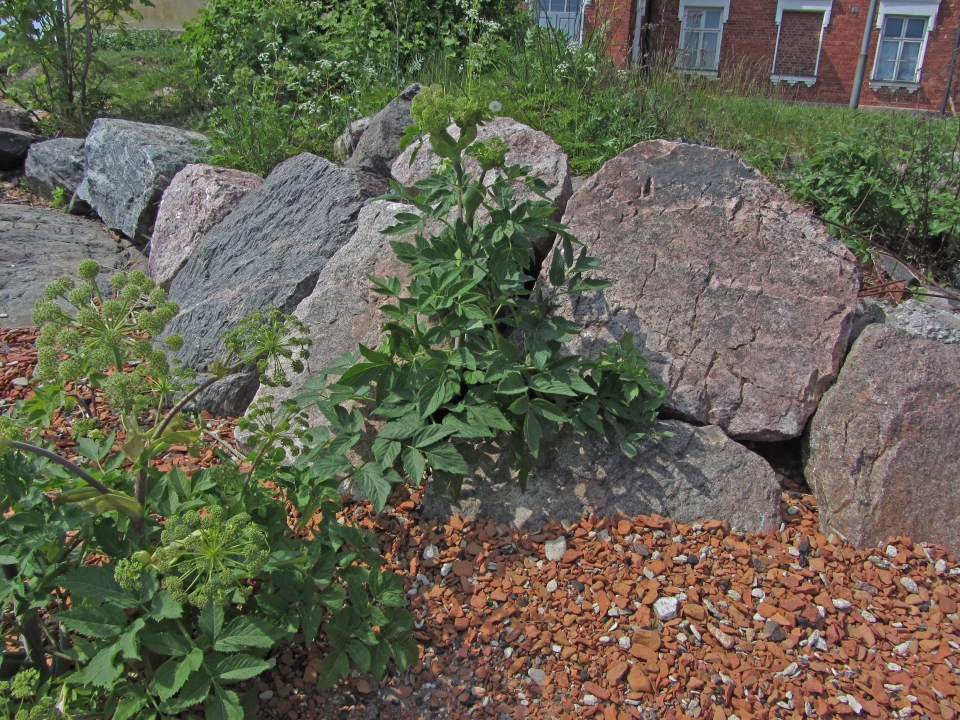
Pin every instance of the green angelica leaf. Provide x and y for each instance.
(128, 707)
(371, 480)
(244, 632)
(105, 621)
(447, 458)
(174, 673)
(167, 643)
(532, 432)
(414, 464)
(336, 666)
(233, 668)
(96, 583)
(194, 691)
(360, 654)
(164, 607)
(102, 670)
(223, 705)
(211, 622)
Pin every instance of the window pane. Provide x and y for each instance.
(893, 27)
(693, 19)
(712, 19)
(558, 5)
(708, 51)
(888, 50)
(915, 27)
(907, 72)
(911, 51)
(885, 70)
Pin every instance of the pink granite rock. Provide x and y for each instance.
(883, 451)
(199, 197)
(738, 297)
(527, 147)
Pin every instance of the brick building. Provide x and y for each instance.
(808, 47)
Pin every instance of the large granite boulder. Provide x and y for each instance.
(53, 164)
(128, 166)
(527, 147)
(343, 311)
(379, 143)
(883, 449)
(268, 251)
(737, 296)
(39, 245)
(14, 145)
(697, 474)
(199, 197)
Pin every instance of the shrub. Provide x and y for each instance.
(890, 186)
(141, 593)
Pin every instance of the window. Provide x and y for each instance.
(902, 41)
(800, 27)
(700, 39)
(565, 15)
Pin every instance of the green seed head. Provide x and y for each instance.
(88, 269)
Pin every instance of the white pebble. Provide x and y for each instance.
(552, 586)
(940, 566)
(555, 549)
(891, 551)
(445, 569)
(624, 642)
(909, 585)
(430, 552)
(893, 667)
(868, 616)
(841, 604)
(666, 608)
(589, 700)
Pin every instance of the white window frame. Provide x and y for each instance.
(824, 6)
(536, 7)
(724, 7)
(907, 9)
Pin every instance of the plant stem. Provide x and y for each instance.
(62, 462)
(175, 410)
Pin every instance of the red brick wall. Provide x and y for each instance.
(617, 17)
(749, 39)
(799, 44)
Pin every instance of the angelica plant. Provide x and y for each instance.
(470, 351)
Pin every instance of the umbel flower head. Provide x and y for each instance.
(206, 558)
(97, 330)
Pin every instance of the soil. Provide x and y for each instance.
(783, 624)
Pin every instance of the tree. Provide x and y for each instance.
(61, 38)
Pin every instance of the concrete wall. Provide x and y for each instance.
(166, 14)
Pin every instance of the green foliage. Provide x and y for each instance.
(287, 76)
(141, 593)
(61, 39)
(470, 351)
(898, 190)
(576, 94)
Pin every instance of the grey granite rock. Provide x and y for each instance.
(128, 166)
(883, 449)
(920, 319)
(39, 245)
(737, 296)
(199, 197)
(269, 251)
(53, 164)
(699, 473)
(343, 311)
(14, 145)
(379, 143)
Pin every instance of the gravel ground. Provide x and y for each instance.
(634, 618)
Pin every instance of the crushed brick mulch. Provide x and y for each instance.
(632, 618)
